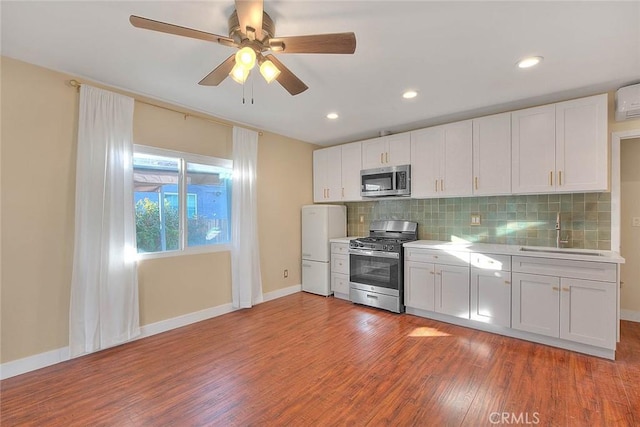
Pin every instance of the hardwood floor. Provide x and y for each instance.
(305, 360)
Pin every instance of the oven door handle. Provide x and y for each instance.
(374, 253)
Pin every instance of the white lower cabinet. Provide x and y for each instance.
(491, 289)
(437, 281)
(566, 303)
(340, 270)
(559, 299)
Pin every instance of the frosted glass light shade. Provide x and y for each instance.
(239, 73)
(246, 57)
(269, 71)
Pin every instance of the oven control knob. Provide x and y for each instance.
(390, 247)
(384, 247)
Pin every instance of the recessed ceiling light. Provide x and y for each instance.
(332, 116)
(410, 94)
(529, 62)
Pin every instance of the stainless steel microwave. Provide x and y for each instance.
(385, 182)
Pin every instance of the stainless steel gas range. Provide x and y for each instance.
(376, 264)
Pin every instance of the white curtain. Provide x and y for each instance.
(246, 282)
(104, 287)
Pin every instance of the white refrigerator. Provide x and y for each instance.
(319, 224)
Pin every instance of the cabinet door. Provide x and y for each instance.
(351, 166)
(373, 153)
(492, 155)
(334, 174)
(533, 145)
(491, 296)
(340, 283)
(398, 149)
(582, 145)
(426, 152)
(419, 285)
(536, 304)
(588, 312)
(452, 290)
(320, 175)
(457, 159)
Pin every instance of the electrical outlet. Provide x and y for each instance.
(636, 221)
(286, 273)
(475, 219)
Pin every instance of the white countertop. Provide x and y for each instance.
(342, 239)
(530, 251)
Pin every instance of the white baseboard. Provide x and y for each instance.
(281, 293)
(630, 315)
(48, 358)
(31, 363)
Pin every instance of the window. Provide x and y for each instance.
(182, 201)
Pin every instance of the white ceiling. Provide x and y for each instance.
(459, 56)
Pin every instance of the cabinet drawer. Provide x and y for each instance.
(437, 256)
(340, 248)
(491, 262)
(340, 283)
(602, 271)
(340, 264)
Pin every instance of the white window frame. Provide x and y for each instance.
(184, 158)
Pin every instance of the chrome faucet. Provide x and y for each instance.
(558, 230)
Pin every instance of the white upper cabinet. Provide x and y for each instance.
(582, 144)
(336, 173)
(492, 155)
(561, 147)
(441, 160)
(533, 139)
(351, 166)
(392, 150)
(327, 175)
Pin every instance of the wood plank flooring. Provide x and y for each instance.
(305, 360)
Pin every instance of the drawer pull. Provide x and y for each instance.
(555, 288)
(506, 282)
(432, 272)
(372, 296)
(566, 289)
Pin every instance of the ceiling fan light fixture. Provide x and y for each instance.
(269, 71)
(239, 73)
(246, 57)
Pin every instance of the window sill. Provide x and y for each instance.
(190, 251)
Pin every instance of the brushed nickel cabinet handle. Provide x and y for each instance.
(566, 289)
(381, 157)
(551, 178)
(555, 288)
(559, 177)
(386, 156)
(476, 180)
(506, 282)
(442, 185)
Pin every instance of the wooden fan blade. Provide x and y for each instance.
(250, 15)
(287, 79)
(163, 27)
(319, 43)
(220, 73)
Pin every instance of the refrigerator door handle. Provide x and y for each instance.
(304, 255)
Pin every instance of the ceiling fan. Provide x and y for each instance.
(252, 32)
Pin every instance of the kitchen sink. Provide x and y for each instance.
(560, 251)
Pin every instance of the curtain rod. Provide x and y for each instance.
(77, 84)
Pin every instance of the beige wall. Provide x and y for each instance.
(39, 122)
(630, 236)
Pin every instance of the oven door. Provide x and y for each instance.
(375, 271)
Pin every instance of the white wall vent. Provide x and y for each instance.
(628, 103)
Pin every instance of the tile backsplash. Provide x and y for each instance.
(516, 220)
